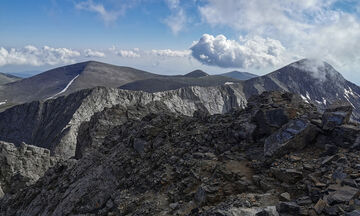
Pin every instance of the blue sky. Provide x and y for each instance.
(177, 36)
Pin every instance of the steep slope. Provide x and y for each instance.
(54, 124)
(8, 78)
(174, 82)
(68, 79)
(171, 164)
(314, 80)
(239, 75)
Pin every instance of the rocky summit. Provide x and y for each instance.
(278, 156)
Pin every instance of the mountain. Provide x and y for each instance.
(8, 78)
(54, 124)
(279, 156)
(316, 81)
(196, 74)
(68, 79)
(239, 75)
(166, 83)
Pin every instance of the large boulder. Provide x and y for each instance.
(294, 135)
(337, 114)
(22, 166)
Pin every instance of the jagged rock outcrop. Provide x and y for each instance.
(167, 163)
(54, 124)
(22, 166)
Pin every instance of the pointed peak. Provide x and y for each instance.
(318, 69)
(312, 65)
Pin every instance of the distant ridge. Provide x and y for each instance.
(8, 78)
(239, 75)
(53, 82)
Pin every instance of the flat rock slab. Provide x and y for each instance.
(343, 195)
(294, 135)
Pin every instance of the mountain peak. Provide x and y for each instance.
(318, 69)
(196, 74)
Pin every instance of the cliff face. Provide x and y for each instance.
(54, 124)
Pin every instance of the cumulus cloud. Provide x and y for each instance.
(31, 55)
(128, 53)
(309, 28)
(93, 53)
(177, 20)
(171, 53)
(245, 53)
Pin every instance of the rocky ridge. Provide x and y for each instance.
(279, 156)
(54, 124)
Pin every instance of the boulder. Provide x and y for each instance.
(335, 115)
(288, 208)
(320, 205)
(342, 195)
(294, 135)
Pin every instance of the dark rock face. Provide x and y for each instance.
(148, 160)
(295, 135)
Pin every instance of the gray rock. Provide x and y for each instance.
(289, 208)
(22, 166)
(342, 195)
(336, 115)
(285, 196)
(320, 205)
(293, 136)
(353, 213)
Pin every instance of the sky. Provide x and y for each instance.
(178, 36)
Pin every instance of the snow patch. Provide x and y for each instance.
(308, 96)
(65, 89)
(304, 98)
(3, 102)
(228, 83)
(324, 101)
(349, 92)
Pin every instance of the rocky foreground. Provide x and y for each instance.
(279, 156)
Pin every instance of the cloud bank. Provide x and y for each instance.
(245, 53)
(31, 55)
(93, 53)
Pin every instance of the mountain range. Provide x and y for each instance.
(98, 139)
(54, 121)
(68, 79)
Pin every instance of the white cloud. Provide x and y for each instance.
(93, 53)
(128, 53)
(107, 15)
(308, 28)
(31, 55)
(171, 53)
(177, 20)
(251, 52)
